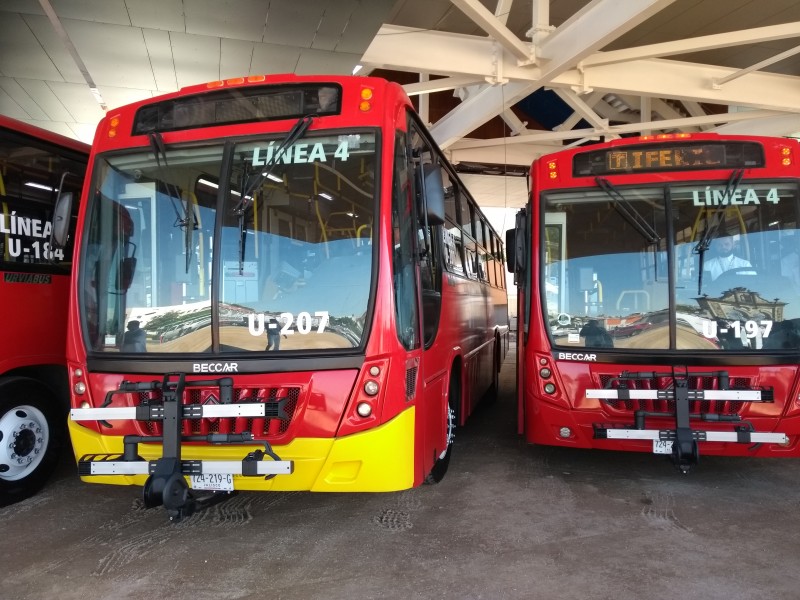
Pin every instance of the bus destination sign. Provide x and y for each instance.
(673, 157)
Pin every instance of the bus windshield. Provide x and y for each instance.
(231, 247)
(707, 265)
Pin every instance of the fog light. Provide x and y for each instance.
(565, 432)
(371, 387)
(545, 373)
(80, 388)
(364, 409)
(550, 388)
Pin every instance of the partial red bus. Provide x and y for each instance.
(659, 297)
(35, 165)
(281, 284)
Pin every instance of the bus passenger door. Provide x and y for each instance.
(429, 211)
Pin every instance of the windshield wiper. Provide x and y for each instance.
(240, 210)
(295, 133)
(187, 220)
(627, 210)
(634, 217)
(711, 230)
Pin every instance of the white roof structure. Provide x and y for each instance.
(622, 67)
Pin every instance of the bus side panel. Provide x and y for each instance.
(431, 425)
(36, 305)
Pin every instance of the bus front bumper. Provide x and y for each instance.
(378, 460)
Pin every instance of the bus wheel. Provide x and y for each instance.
(443, 460)
(31, 438)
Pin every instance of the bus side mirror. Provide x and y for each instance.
(127, 268)
(434, 194)
(59, 235)
(511, 250)
(518, 247)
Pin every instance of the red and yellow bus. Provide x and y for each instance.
(281, 284)
(659, 297)
(35, 165)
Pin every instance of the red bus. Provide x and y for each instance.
(35, 165)
(659, 298)
(281, 284)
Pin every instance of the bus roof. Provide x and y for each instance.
(43, 134)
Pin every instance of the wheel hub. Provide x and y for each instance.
(23, 441)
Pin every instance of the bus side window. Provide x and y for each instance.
(429, 250)
(405, 287)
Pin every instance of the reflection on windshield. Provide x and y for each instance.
(290, 270)
(607, 271)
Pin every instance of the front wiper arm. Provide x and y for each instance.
(160, 151)
(705, 240)
(627, 210)
(295, 133)
(730, 189)
(187, 220)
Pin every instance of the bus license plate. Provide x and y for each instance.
(222, 482)
(662, 446)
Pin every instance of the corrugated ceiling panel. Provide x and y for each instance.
(196, 58)
(15, 101)
(234, 19)
(166, 15)
(293, 23)
(78, 101)
(21, 54)
(159, 50)
(236, 58)
(317, 61)
(100, 11)
(114, 55)
(274, 58)
(44, 97)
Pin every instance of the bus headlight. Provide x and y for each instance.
(364, 409)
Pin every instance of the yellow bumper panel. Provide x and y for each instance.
(378, 460)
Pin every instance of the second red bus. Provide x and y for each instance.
(659, 297)
(35, 166)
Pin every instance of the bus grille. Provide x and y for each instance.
(719, 407)
(281, 405)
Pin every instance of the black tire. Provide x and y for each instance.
(32, 437)
(442, 462)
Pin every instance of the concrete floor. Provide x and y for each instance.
(508, 521)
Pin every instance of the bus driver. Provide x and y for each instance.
(724, 259)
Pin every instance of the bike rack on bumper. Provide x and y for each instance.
(166, 483)
(682, 441)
